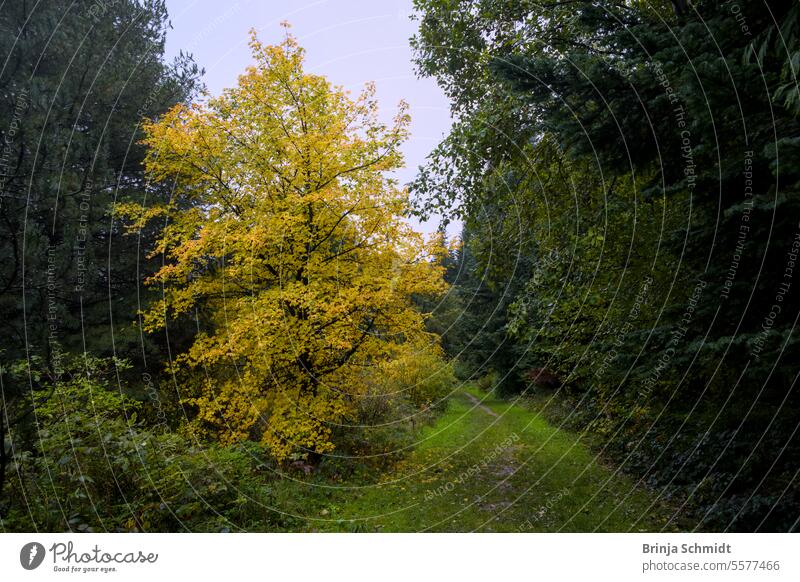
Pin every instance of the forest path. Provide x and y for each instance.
(480, 404)
(493, 465)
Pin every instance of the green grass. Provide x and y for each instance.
(472, 471)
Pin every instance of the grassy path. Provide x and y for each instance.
(490, 465)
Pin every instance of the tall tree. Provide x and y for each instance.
(295, 250)
(77, 78)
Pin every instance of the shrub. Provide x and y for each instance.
(400, 395)
(94, 465)
(423, 378)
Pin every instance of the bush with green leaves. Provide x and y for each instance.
(404, 394)
(87, 461)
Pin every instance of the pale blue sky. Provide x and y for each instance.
(349, 41)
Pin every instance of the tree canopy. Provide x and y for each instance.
(294, 251)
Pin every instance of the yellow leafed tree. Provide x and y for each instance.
(287, 231)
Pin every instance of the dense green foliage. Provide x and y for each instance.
(630, 172)
(97, 462)
(77, 81)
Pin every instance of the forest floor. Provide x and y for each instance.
(488, 465)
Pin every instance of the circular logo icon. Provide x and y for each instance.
(31, 555)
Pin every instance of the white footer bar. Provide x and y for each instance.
(406, 557)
